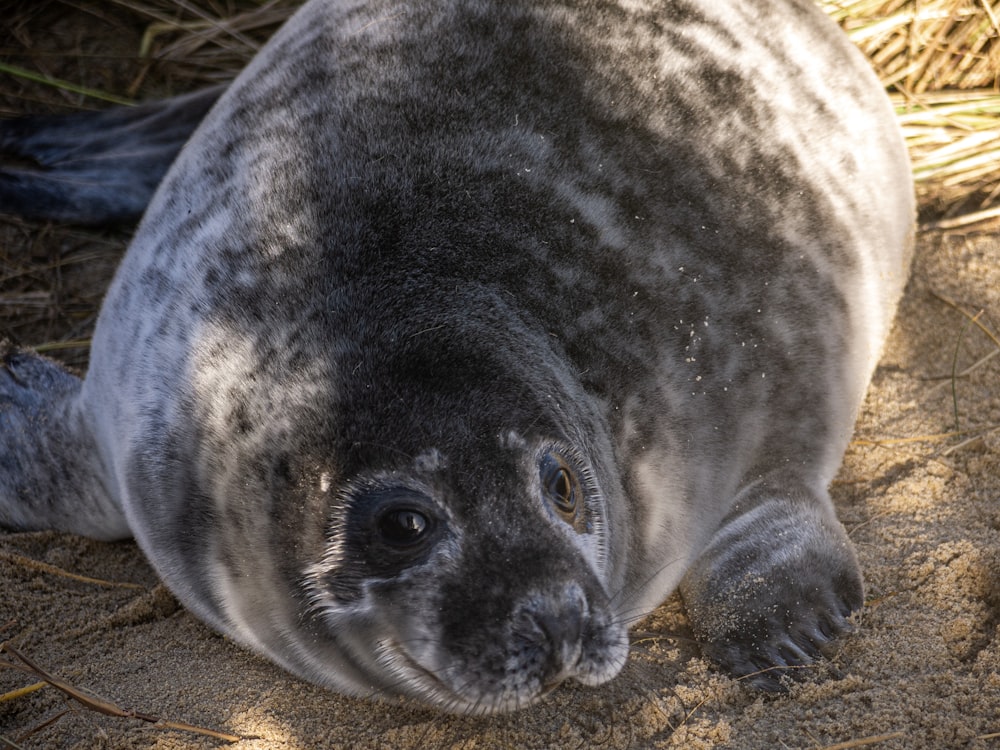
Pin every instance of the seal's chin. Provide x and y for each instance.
(402, 676)
(465, 691)
(426, 686)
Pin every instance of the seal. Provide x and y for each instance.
(461, 333)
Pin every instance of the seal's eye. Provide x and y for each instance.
(403, 527)
(562, 489)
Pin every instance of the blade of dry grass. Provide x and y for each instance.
(14, 70)
(42, 567)
(13, 695)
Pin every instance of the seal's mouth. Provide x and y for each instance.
(417, 681)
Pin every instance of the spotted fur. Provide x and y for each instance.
(417, 248)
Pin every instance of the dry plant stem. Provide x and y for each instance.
(23, 664)
(970, 318)
(21, 692)
(954, 366)
(974, 318)
(47, 723)
(55, 346)
(993, 18)
(968, 441)
(966, 220)
(67, 85)
(933, 53)
(968, 370)
(27, 562)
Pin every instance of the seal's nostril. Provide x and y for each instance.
(561, 627)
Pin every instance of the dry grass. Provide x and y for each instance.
(919, 46)
(940, 59)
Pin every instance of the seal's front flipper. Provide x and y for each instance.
(776, 585)
(94, 167)
(51, 472)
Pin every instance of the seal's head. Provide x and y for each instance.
(473, 590)
(455, 543)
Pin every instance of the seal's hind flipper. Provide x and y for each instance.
(776, 585)
(51, 472)
(94, 167)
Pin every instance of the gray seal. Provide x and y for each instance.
(461, 333)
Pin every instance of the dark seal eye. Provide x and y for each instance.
(562, 490)
(403, 527)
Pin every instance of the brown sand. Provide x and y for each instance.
(923, 670)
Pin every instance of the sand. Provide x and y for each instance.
(921, 504)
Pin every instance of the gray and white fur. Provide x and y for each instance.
(461, 333)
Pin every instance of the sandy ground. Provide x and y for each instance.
(922, 505)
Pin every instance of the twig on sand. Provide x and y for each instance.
(27, 562)
(23, 664)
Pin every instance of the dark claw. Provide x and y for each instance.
(790, 655)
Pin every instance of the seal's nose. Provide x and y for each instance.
(560, 626)
(554, 626)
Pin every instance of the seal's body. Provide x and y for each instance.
(461, 333)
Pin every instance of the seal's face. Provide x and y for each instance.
(395, 579)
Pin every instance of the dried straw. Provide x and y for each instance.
(941, 61)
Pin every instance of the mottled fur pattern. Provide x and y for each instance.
(419, 252)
